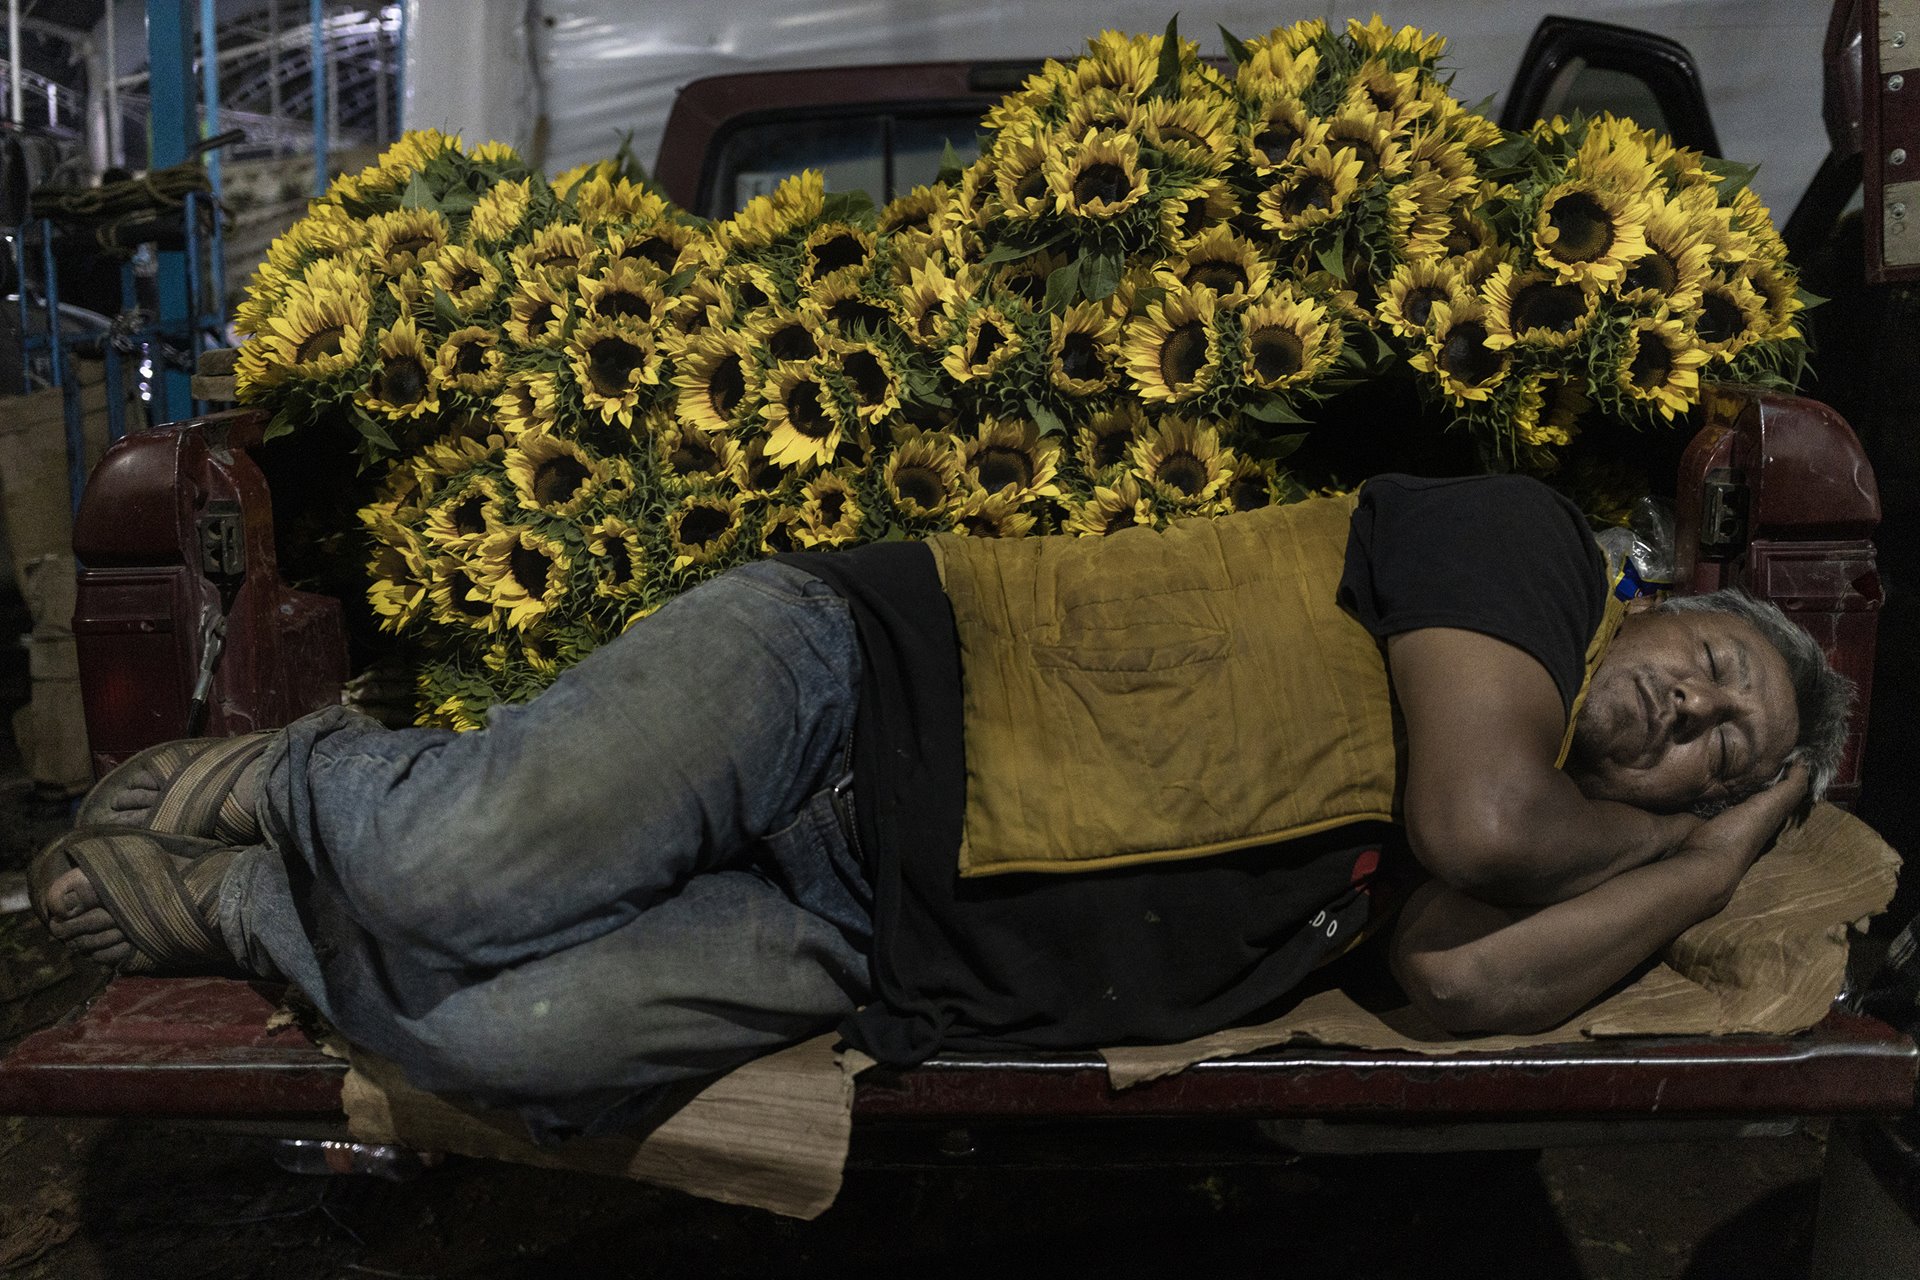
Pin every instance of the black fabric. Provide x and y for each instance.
(1164, 952)
(1502, 555)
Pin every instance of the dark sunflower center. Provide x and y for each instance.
(837, 252)
(470, 358)
(1276, 139)
(1111, 447)
(1276, 353)
(470, 514)
(1652, 364)
(853, 314)
(1465, 354)
(808, 412)
(726, 385)
(1183, 354)
(1222, 275)
(411, 244)
(867, 376)
(612, 363)
(1554, 307)
(763, 474)
(557, 479)
(1310, 192)
(402, 380)
(619, 562)
(912, 217)
(466, 597)
(833, 505)
(1248, 493)
(1106, 182)
(929, 322)
(658, 250)
(1464, 235)
(1080, 358)
(1026, 283)
(1031, 187)
(791, 341)
(465, 278)
(1656, 271)
(557, 258)
(1118, 519)
(1184, 472)
(1720, 318)
(1418, 305)
(540, 317)
(779, 538)
(1194, 218)
(999, 466)
(1362, 148)
(986, 341)
(1585, 227)
(626, 304)
(921, 486)
(1182, 135)
(982, 525)
(530, 568)
(324, 342)
(702, 524)
(694, 456)
(751, 294)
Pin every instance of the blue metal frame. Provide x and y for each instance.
(48, 344)
(321, 88)
(175, 128)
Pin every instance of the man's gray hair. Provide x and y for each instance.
(1822, 696)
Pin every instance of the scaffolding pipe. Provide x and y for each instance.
(116, 153)
(318, 73)
(17, 65)
(273, 67)
(209, 93)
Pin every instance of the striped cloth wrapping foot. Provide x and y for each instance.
(188, 788)
(161, 891)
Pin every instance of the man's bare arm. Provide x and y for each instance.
(1486, 811)
(1471, 966)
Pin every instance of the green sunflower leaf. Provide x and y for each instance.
(1275, 448)
(1046, 419)
(1009, 251)
(373, 433)
(951, 165)
(1063, 285)
(419, 194)
(444, 311)
(1333, 258)
(679, 280)
(1731, 176)
(1167, 82)
(1236, 47)
(1508, 154)
(1100, 273)
(282, 424)
(1272, 409)
(846, 206)
(1808, 298)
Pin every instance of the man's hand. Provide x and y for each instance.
(1727, 843)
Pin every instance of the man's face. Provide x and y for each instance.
(1686, 707)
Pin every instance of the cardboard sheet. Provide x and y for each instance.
(1772, 962)
(774, 1133)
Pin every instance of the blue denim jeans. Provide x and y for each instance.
(634, 880)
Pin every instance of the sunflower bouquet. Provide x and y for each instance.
(578, 400)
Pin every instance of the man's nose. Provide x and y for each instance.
(1699, 704)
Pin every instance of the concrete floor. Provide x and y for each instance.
(81, 1200)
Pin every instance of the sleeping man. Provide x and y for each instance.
(968, 794)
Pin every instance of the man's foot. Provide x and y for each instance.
(203, 787)
(137, 901)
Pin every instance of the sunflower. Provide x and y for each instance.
(1394, 93)
(1675, 266)
(525, 572)
(1107, 438)
(831, 512)
(844, 303)
(1457, 353)
(1374, 38)
(710, 372)
(663, 243)
(499, 213)
(1196, 133)
(1096, 111)
(405, 238)
(1191, 210)
(1536, 309)
(397, 579)
(1284, 132)
(924, 308)
(470, 360)
(1021, 191)
(805, 423)
(1590, 233)
(527, 404)
(1170, 351)
(832, 248)
(1661, 365)
(870, 376)
(538, 314)
(619, 559)
(1369, 136)
(1732, 316)
(555, 254)
(782, 531)
(458, 596)
(1256, 483)
(1777, 285)
(623, 290)
(1181, 459)
(1082, 354)
(991, 515)
(1109, 509)
(801, 334)
(318, 334)
(914, 210)
(702, 527)
(1098, 178)
(754, 474)
(1419, 217)
(683, 453)
(601, 200)
(1222, 261)
(752, 287)
(986, 345)
(1284, 60)
(459, 518)
(468, 277)
(1119, 63)
(703, 303)
(554, 475)
(1287, 341)
(612, 365)
(402, 385)
(1314, 191)
(922, 474)
(1407, 301)
(1009, 457)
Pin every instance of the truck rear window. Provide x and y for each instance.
(881, 153)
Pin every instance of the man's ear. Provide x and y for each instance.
(1640, 604)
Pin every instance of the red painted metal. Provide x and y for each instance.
(200, 1048)
(1796, 472)
(144, 598)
